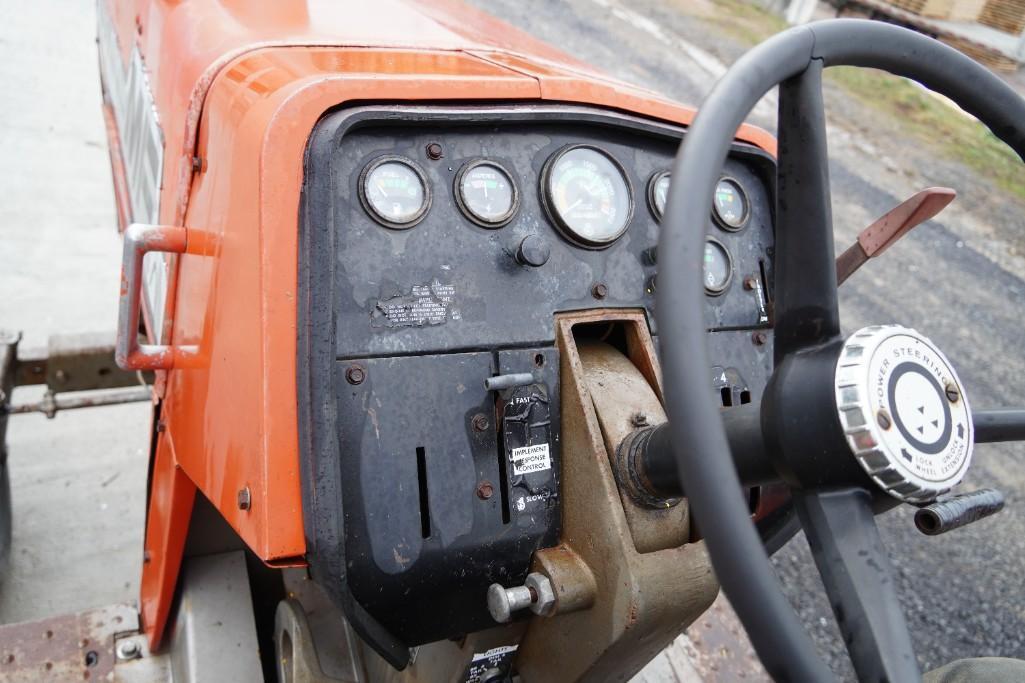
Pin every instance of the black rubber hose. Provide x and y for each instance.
(706, 468)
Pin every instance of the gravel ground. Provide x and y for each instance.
(956, 279)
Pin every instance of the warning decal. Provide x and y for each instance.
(531, 459)
(495, 658)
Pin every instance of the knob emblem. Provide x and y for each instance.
(904, 412)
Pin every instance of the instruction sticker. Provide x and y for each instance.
(495, 658)
(531, 459)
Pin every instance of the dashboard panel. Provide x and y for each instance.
(437, 245)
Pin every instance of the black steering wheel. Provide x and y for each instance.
(840, 453)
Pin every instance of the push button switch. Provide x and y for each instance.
(534, 251)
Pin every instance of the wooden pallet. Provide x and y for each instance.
(953, 10)
(1004, 15)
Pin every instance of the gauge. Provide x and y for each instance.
(486, 193)
(394, 191)
(718, 267)
(587, 195)
(658, 193)
(731, 206)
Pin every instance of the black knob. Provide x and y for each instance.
(534, 250)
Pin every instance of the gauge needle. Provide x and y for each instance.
(573, 206)
(878, 237)
(381, 188)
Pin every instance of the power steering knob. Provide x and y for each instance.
(904, 412)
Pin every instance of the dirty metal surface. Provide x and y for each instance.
(73, 647)
(75, 362)
(642, 600)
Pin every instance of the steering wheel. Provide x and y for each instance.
(844, 422)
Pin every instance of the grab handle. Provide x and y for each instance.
(139, 240)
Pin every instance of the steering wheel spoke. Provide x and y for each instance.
(858, 578)
(806, 288)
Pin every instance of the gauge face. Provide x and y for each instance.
(588, 196)
(718, 267)
(486, 193)
(658, 193)
(731, 205)
(394, 191)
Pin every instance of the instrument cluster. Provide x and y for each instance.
(584, 191)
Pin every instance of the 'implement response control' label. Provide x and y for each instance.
(531, 459)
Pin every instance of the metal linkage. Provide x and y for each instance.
(53, 403)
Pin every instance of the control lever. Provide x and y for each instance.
(957, 511)
(897, 222)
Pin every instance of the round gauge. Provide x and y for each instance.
(658, 193)
(394, 191)
(486, 193)
(731, 207)
(718, 267)
(587, 195)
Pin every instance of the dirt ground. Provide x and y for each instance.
(79, 480)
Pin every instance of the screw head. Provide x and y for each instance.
(749, 283)
(245, 500)
(639, 420)
(759, 338)
(480, 422)
(883, 418)
(600, 290)
(128, 649)
(434, 151)
(485, 490)
(952, 392)
(355, 374)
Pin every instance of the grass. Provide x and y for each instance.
(914, 112)
(933, 122)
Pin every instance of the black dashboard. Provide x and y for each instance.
(437, 246)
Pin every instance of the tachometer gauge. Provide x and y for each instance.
(731, 208)
(658, 193)
(586, 193)
(486, 193)
(718, 267)
(394, 191)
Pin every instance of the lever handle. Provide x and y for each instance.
(890, 227)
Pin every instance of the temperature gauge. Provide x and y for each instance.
(486, 193)
(658, 193)
(731, 208)
(718, 265)
(394, 191)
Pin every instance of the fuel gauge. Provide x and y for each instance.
(394, 191)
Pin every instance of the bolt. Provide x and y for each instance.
(952, 392)
(759, 338)
(480, 422)
(128, 649)
(750, 283)
(883, 418)
(198, 164)
(599, 291)
(245, 500)
(434, 151)
(639, 420)
(485, 490)
(355, 374)
(146, 557)
(161, 427)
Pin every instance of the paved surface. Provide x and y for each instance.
(77, 481)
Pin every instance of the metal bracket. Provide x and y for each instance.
(140, 239)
